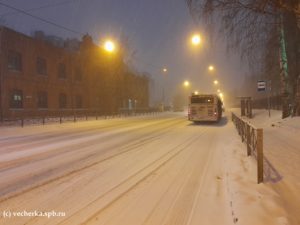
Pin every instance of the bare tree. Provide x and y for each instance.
(245, 26)
(254, 28)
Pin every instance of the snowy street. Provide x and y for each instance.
(158, 169)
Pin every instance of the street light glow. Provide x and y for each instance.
(109, 46)
(219, 91)
(165, 70)
(221, 96)
(196, 39)
(216, 82)
(211, 68)
(186, 83)
(196, 92)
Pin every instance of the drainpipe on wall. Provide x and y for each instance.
(287, 101)
(1, 78)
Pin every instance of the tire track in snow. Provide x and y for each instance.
(33, 140)
(132, 182)
(26, 183)
(48, 152)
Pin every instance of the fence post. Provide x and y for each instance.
(260, 157)
(243, 131)
(248, 140)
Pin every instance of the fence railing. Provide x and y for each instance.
(43, 116)
(253, 137)
(275, 102)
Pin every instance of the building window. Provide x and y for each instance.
(62, 71)
(14, 61)
(62, 100)
(41, 66)
(78, 102)
(16, 99)
(78, 74)
(42, 99)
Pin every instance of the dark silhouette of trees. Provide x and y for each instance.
(257, 29)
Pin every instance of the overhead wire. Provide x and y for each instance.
(40, 7)
(26, 12)
(41, 19)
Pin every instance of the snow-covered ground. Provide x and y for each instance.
(158, 170)
(282, 150)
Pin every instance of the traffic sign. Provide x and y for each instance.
(261, 85)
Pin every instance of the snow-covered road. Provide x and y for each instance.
(143, 170)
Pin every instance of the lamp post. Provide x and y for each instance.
(211, 68)
(196, 39)
(186, 83)
(109, 46)
(164, 73)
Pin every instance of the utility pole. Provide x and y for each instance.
(269, 89)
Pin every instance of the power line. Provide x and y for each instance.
(156, 67)
(40, 7)
(63, 27)
(41, 19)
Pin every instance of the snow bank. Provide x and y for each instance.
(281, 149)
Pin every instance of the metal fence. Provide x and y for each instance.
(43, 116)
(275, 102)
(253, 137)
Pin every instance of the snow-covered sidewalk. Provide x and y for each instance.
(282, 150)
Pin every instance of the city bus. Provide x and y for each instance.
(205, 107)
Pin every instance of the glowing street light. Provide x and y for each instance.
(219, 91)
(196, 39)
(216, 82)
(196, 92)
(186, 83)
(165, 70)
(211, 68)
(221, 96)
(109, 46)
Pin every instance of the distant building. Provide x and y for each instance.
(43, 76)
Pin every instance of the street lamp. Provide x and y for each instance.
(109, 46)
(221, 96)
(196, 39)
(216, 82)
(164, 70)
(211, 68)
(186, 83)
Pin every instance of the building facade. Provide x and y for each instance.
(38, 78)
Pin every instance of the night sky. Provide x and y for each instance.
(158, 32)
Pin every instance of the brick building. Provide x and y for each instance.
(38, 78)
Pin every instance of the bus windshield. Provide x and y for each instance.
(202, 99)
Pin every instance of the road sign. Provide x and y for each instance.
(261, 85)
